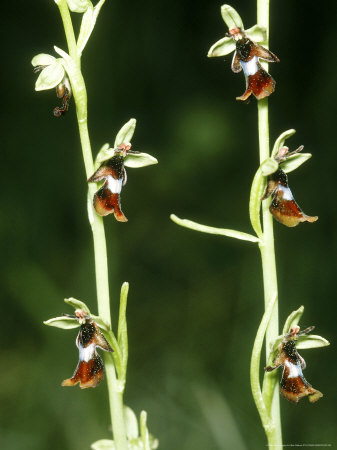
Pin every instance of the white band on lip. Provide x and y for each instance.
(250, 67)
(87, 353)
(115, 186)
(286, 192)
(294, 371)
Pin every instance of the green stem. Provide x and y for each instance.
(97, 226)
(267, 249)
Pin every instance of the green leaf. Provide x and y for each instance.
(144, 433)
(131, 423)
(139, 160)
(255, 363)
(78, 6)
(269, 166)
(148, 441)
(292, 320)
(256, 193)
(43, 59)
(211, 230)
(125, 133)
(257, 33)
(222, 47)
(62, 322)
(294, 161)
(280, 141)
(122, 334)
(50, 76)
(77, 304)
(88, 23)
(311, 341)
(103, 444)
(231, 17)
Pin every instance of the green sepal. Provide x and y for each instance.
(64, 322)
(303, 342)
(293, 319)
(70, 66)
(43, 59)
(212, 230)
(88, 23)
(125, 133)
(78, 6)
(136, 160)
(311, 341)
(104, 154)
(103, 444)
(100, 322)
(50, 76)
(257, 34)
(133, 160)
(222, 47)
(279, 143)
(77, 304)
(231, 17)
(131, 423)
(294, 161)
(269, 166)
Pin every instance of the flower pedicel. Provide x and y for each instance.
(89, 370)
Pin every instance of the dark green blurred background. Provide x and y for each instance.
(195, 300)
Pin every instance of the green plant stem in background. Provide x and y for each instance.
(267, 249)
(97, 226)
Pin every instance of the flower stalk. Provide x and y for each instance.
(97, 227)
(267, 249)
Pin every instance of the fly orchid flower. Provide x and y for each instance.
(283, 205)
(90, 368)
(293, 385)
(52, 74)
(247, 58)
(112, 171)
(247, 54)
